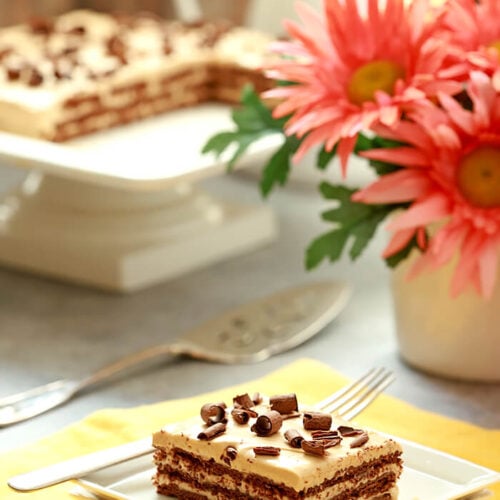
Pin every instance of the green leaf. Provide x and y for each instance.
(253, 120)
(355, 223)
(363, 232)
(218, 143)
(243, 143)
(363, 143)
(327, 246)
(325, 157)
(278, 168)
(253, 105)
(336, 192)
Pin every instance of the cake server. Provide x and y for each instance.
(249, 333)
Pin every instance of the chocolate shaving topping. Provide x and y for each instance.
(257, 398)
(77, 30)
(212, 413)
(240, 415)
(41, 25)
(284, 403)
(347, 431)
(35, 78)
(199, 23)
(243, 400)
(267, 450)
(294, 438)
(229, 454)
(320, 434)
(5, 52)
(359, 440)
(330, 442)
(212, 432)
(293, 414)
(116, 47)
(314, 447)
(316, 420)
(167, 46)
(267, 424)
(13, 73)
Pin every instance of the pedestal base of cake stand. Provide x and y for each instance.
(122, 240)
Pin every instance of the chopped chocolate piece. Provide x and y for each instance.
(294, 438)
(267, 450)
(257, 398)
(212, 432)
(359, 440)
(314, 420)
(268, 423)
(284, 403)
(211, 413)
(243, 400)
(347, 431)
(313, 447)
(240, 415)
(230, 453)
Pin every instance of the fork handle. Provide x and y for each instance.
(80, 466)
(125, 363)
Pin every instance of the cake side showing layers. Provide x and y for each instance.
(86, 71)
(272, 455)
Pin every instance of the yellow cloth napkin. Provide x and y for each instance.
(311, 380)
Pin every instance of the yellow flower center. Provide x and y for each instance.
(479, 176)
(495, 45)
(373, 76)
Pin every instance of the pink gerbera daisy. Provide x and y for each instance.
(475, 30)
(451, 177)
(351, 69)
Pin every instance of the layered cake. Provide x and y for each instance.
(86, 71)
(270, 448)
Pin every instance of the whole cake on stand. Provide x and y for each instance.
(110, 205)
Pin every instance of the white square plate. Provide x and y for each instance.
(428, 475)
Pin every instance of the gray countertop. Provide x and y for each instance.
(50, 330)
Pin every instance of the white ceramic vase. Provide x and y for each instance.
(452, 337)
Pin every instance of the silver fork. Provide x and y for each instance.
(248, 333)
(345, 403)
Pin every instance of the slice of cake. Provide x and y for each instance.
(273, 449)
(86, 71)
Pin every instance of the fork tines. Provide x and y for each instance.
(351, 400)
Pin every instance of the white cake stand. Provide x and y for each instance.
(120, 210)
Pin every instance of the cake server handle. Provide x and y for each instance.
(80, 466)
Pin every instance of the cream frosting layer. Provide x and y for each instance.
(293, 467)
